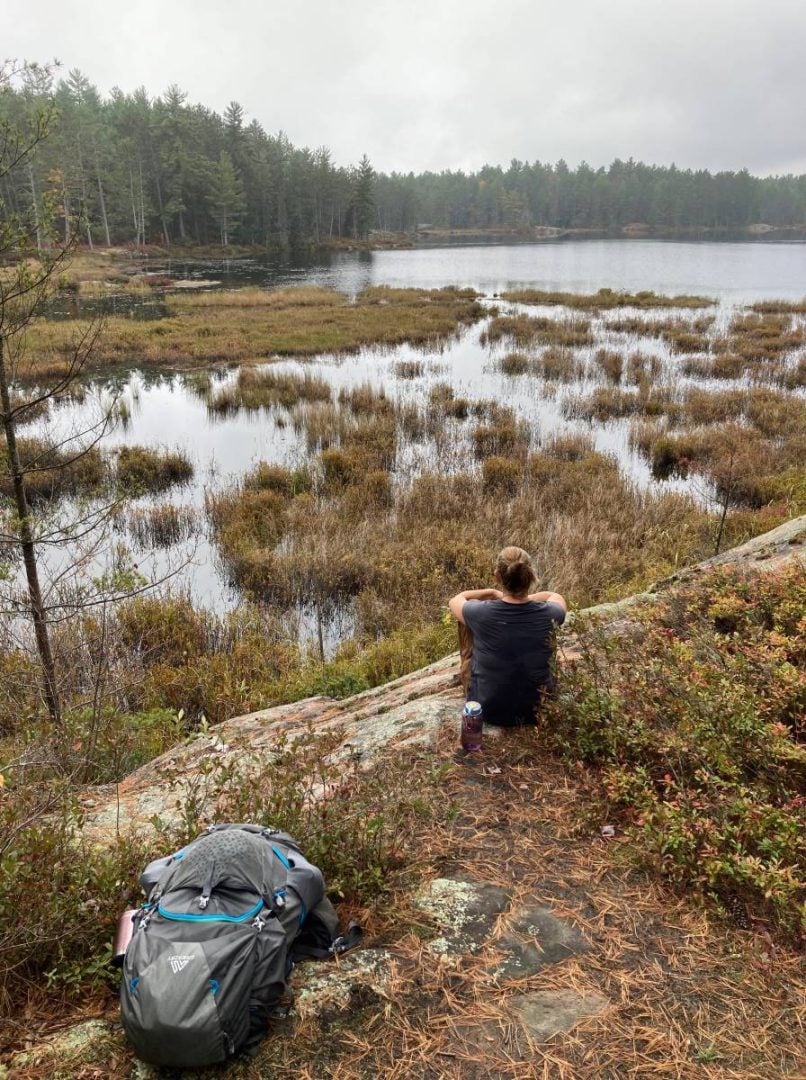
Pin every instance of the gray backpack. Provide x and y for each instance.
(216, 941)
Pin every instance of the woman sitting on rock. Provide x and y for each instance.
(506, 641)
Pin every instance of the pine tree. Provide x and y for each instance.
(363, 200)
(227, 202)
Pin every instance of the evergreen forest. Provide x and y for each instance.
(131, 169)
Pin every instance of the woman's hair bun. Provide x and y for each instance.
(515, 571)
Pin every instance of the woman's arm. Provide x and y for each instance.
(549, 598)
(456, 603)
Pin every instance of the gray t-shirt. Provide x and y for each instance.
(512, 646)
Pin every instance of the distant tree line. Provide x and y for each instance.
(524, 195)
(132, 169)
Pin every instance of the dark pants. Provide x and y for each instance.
(466, 662)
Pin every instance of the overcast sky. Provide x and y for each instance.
(433, 84)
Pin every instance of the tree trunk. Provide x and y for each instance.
(134, 209)
(27, 546)
(66, 207)
(102, 201)
(142, 207)
(165, 235)
(35, 206)
(84, 202)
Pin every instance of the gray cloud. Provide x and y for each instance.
(433, 84)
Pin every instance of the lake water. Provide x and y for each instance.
(165, 411)
(733, 272)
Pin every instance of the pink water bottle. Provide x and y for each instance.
(472, 726)
(123, 935)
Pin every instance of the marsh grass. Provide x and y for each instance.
(744, 467)
(28, 408)
(502, 475)
(605, 299)
(682, 339)
(680, 334)
(722, 366)
(762, 337)
(394, 551)
(559, 364)
(779, 307)
(611, 402)
(53, 472)
(776, 415)
(256, 389)
(366, 400)
(141, 469)
(794, 378)
(611, 364)
(246, 298)
(504, 436)
(163, 525)
(514, 363)
(442, 403)
(370, 439)
(319, 422)
(251, 325)
(526, 330)
(409, 369)
(643, 368)
(573, 446)
(200, 383)
(711, 407)
(268, 477)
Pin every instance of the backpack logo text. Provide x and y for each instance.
(178, 962)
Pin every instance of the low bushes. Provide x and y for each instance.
(694, 726)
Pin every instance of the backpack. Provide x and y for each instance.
(215, 942)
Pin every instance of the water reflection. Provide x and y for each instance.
(735, 271)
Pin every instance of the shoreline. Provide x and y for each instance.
(425, 239)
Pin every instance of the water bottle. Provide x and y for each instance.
(123, 935)
(472, 724)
